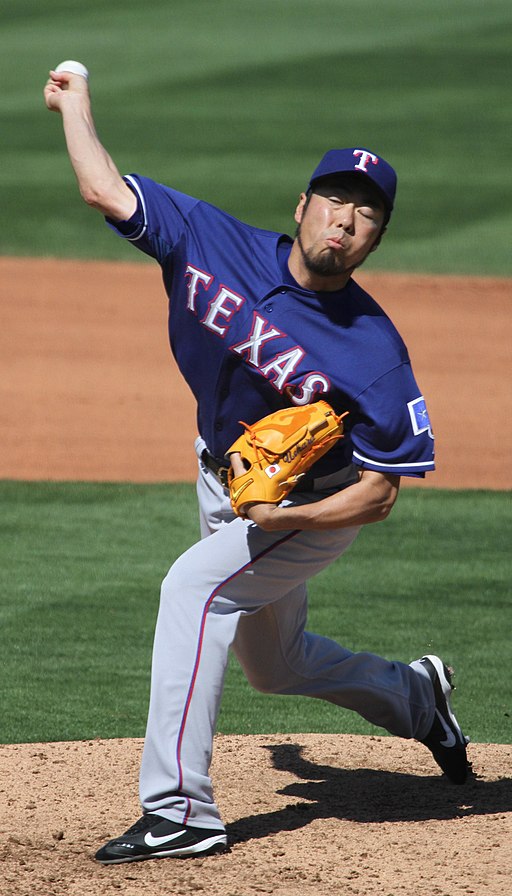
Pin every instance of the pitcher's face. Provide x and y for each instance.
(340, 223)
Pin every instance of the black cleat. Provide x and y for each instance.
(445, 739)
(153, 837)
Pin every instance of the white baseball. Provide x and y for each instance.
(75, 67)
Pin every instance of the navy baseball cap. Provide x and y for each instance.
(361, 162)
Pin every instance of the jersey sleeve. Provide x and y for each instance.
(393, 433)
(160, 219)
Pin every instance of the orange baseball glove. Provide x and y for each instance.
(279, 449)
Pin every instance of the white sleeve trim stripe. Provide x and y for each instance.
(368, 460)
(137, 189)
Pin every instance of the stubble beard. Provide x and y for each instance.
(324, 264)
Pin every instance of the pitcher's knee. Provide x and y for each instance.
(269, 681)
(170, 584)
(264, 685)
(181, 583)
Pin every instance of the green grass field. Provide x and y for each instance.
(80, 570)
(235, 101)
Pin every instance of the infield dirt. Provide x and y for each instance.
(89, 391)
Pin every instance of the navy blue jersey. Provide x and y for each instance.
(248, 339)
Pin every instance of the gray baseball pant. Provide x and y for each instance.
(242, 587)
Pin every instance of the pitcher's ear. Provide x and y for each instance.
(377, 241)
(299, 211)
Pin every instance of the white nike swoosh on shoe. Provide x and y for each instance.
(451, 740)
(149, 840)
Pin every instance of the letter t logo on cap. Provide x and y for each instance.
(365, 158)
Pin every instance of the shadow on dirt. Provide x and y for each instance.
(367, 796)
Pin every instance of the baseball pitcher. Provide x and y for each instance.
(308, 415)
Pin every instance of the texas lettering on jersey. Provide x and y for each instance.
(281, 366)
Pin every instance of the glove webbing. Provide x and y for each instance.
(273, 456)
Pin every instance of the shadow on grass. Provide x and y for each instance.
(367, 796)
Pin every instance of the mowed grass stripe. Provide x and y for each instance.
(235, 102)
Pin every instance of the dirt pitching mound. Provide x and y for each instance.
(329, 814)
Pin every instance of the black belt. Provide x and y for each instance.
(306, 483)
(218, 467)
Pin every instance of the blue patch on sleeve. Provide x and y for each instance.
(419, 416)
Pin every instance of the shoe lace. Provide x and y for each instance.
(143, 824)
